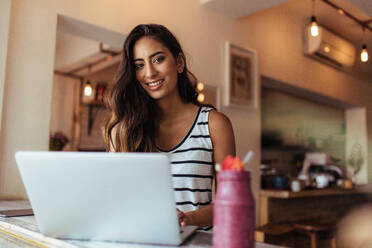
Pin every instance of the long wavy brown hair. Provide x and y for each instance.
(133, 112)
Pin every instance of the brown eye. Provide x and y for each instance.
(158, 59)
(138, 66)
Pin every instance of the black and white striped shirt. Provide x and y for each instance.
(192, 165)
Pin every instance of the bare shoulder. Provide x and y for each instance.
(222, 135)
(218, 121)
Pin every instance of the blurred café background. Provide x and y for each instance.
(306, 112)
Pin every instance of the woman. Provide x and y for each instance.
(154, 108)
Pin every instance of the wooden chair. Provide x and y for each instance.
(275, 233)
(313, 229)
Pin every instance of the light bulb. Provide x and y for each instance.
(201, 97)
(314, 27)
(88, 89)
(364, 54)
(200, 86)
(327, 49)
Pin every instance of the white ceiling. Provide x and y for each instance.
(365, 5)
(89, 31)
(325, 14)
(240, 8)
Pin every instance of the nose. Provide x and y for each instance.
(150, 71)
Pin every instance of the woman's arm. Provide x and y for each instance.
(222, 136)
(223, 141)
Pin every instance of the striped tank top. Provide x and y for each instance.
(192, 165)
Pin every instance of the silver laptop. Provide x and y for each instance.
(125, 197)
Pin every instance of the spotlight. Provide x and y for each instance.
(314, 27)
(364, 54)
(88, 89)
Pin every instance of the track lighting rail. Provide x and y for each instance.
(364, 24)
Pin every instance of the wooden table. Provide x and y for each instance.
(23, 232)
(284, 205)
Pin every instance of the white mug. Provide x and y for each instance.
(296, 186)
(321, 181)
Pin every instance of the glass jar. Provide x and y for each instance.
(234, 215)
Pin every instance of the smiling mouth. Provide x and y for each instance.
(155, 83)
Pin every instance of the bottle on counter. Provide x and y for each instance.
(100, 89)
(234, 215)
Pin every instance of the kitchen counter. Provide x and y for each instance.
(330, 203)
(274, 193)
(23, 232)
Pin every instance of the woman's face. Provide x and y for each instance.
(156, 68)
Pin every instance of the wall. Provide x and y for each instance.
(4, 31)
(71, 52)
(95, 141)
(356, 144)
(71, 48)
(28, 88)
(277, 36)
(62, 105)
(310, 126)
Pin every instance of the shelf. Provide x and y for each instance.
(287, 148)
(287, 194)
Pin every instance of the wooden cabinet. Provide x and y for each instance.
(334, 203)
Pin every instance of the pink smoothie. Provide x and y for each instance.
(233, 216)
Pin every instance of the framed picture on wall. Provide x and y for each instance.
(241, 77)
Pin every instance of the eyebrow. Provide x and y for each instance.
(151, 56)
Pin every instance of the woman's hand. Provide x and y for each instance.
(182, 218)
(202, 217)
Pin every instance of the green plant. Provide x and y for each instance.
(57, 141)
(356, 158)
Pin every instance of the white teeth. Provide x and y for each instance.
(155, 83)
